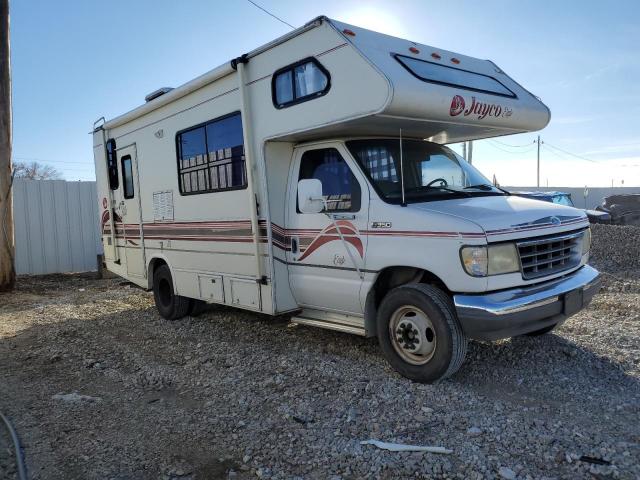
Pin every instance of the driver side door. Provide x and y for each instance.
(322, 273)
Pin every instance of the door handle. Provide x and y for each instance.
(294, 244)
(343, 216)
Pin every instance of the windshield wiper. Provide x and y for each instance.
(446, 189)
(486, 187)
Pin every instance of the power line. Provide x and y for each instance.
(510, 151)
(555, 154)
(271, 14)
(513, 146)
(572, 154)
(601, 162)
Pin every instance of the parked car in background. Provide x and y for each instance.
(564, 198)
(623, 209)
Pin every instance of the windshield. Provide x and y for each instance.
(563, 200)
(431, 171)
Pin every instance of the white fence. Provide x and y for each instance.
(56, 226)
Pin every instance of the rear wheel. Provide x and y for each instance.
(170, 305)
(419, 333)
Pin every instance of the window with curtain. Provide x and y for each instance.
(299, 82)
(211, 156)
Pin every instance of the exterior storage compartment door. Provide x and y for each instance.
(211, 288)
(245, 293)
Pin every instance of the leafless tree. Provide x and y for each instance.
(35, 171)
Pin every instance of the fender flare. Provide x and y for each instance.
(150, 264)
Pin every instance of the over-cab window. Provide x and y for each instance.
(211, 156)
(453, 77)
(299, 82)
(127, 176)
(339, 186)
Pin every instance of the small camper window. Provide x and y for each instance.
(112, 164)
(211, 156)
(339, 186)
(299, 82)
(127, 177)
(453, 77)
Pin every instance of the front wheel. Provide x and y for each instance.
(419, 333)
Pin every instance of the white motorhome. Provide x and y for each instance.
(311, 177)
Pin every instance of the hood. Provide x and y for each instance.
(510, 216)
(597, 213)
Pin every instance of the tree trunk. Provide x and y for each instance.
(7, 269)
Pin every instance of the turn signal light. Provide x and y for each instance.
(346, 31)
(414, 50)
(436, 56)
(455, 60)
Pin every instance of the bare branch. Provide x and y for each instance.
(35, 171)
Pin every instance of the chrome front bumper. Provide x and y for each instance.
(517, 311)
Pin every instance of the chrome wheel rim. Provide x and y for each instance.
(412, 335)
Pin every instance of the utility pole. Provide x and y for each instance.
(464, 150)
(538, 142)
(470, 150)
(7, 269)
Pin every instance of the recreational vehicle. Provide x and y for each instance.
(311, 177)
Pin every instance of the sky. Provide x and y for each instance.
(78, 60)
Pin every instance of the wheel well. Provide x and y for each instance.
(153, 266)
(390, 278)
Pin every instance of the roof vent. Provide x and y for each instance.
(157, 93)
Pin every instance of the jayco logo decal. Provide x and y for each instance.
(457, 106)
(481, 109)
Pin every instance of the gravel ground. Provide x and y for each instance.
(100, 387)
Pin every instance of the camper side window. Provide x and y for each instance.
(339, 186)
(211, 157)
(127, 177)
(302, 81)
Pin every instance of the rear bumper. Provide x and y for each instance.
(517, 311)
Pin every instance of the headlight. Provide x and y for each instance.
(586, 241)
(492, 260)
(503, 258)
(475, 261)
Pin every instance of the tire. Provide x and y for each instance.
(542, 331)
(438, 349)
(169, 305)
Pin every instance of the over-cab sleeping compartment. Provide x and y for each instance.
(437, 94)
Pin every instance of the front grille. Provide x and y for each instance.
(549, 255)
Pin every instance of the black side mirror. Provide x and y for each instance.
(112, 164)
